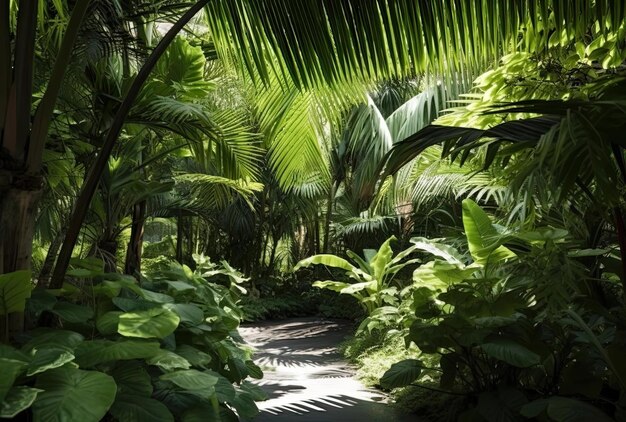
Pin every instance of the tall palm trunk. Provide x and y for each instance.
(135, 245)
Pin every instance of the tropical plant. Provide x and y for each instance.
(373, 275)
(502, 340)
(132, 352)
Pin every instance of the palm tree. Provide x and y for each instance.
(345, 41)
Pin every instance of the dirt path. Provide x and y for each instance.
(305, 377)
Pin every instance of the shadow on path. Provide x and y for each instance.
(306, 378)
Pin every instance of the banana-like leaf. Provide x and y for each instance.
(448, 253)
(328, 260)
(335, 286)
(482, 237)
(382, 258)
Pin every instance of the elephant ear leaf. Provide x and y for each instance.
(15, 288)
(71, 394)
(483, 239)
(402, 373)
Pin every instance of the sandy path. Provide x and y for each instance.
(306, 378)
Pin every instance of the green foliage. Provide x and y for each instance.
(15, 288)
(496, 341)
(373, 275)
(149, 350)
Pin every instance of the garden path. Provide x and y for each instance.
(306, 378)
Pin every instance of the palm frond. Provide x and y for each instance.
(330, 41)
(215, 192)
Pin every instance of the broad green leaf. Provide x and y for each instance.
(48, 358)
(94, 352)
(335, 286)
(441, 250)
(543, 234)
(245, 405)
(187, 312)
(132, 378)
(193, 380)
(511, 352)
(73, 395)
(440, 275)
(10, 352)
(40, 300)
(253, 370)
(107, 288)
(402, 373)
(562, 409)
(17, 400)
(193, 355)
(326, 259)
(133, 408)
(358, 287)
(53, 338)
(15, 288)
(180, 286)
(151, 323)
(151, 296)
(224, 390)
(73, 313)
(363, 265)
(10, 370)
(94, 265)
(482, 237)
(381, 259)
(256, 391)
(107, 323)
(169, 361)
(131, 305)
(580, 253)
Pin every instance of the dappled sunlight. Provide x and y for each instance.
(306, 377)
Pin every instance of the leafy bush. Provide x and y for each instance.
(514, 352)
(132, 351)
(373, 275)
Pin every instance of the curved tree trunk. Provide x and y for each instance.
(135, 245)
(46, 269)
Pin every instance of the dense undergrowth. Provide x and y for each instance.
(162, 349)
(509, 329)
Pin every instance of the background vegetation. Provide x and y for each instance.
(454, 171)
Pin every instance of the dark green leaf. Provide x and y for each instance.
(402, 373)
(133, 408)
(73, 395)
(92, 353)
(17, 400)
(511, 352)
(15, 288)
(73, 313)
(48, 358)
